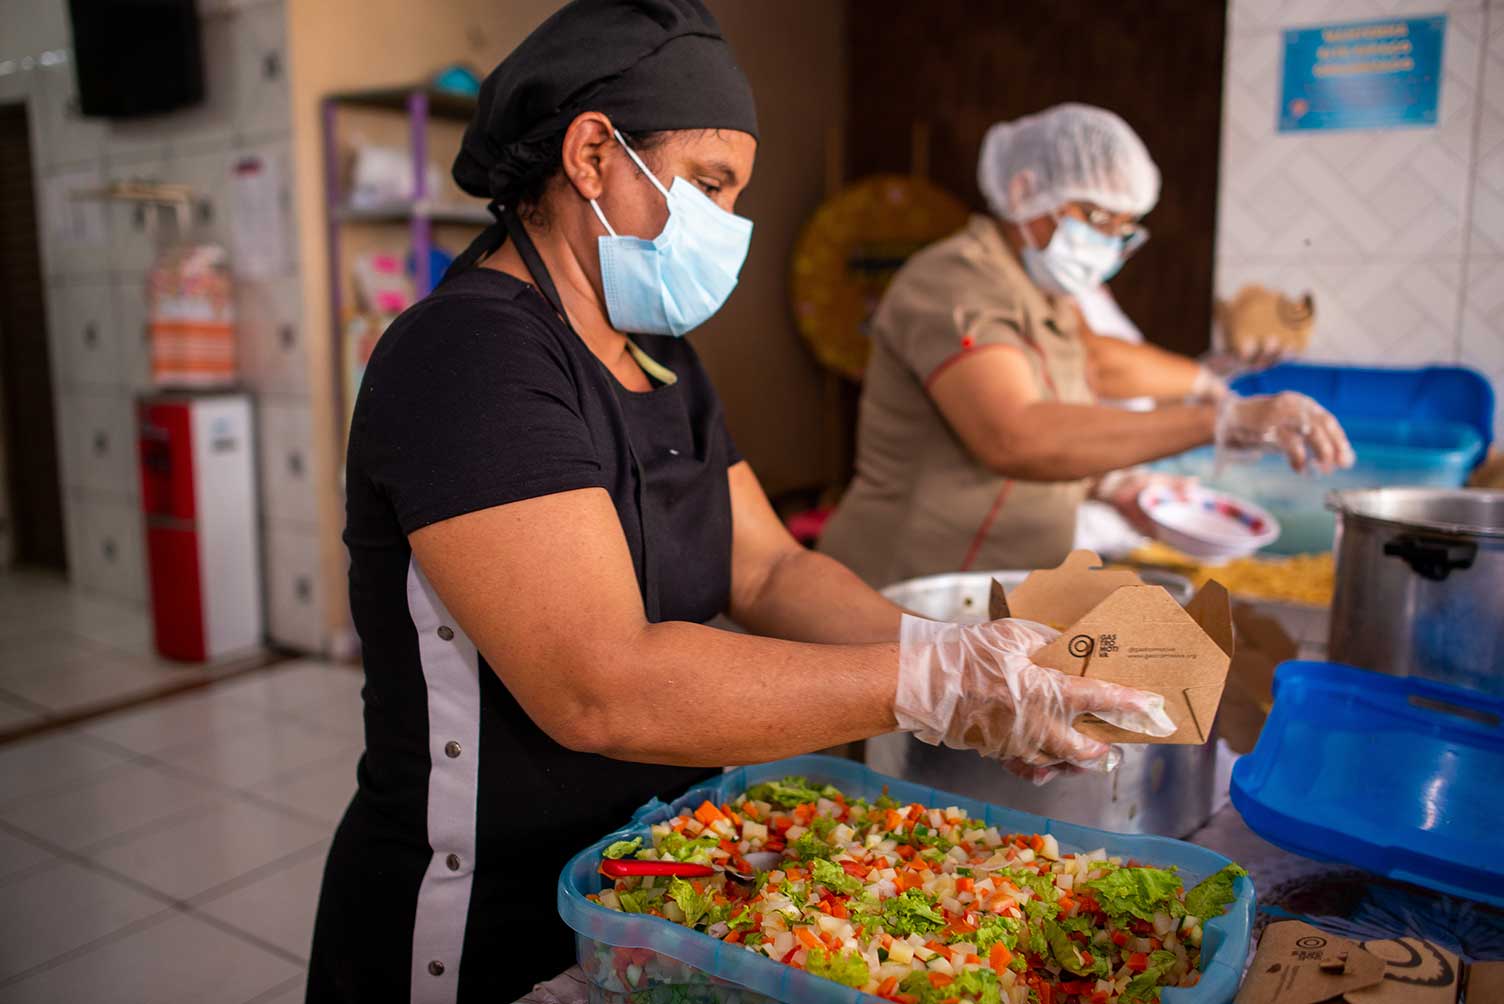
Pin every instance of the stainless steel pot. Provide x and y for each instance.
(1420, 584)
(1167, 790)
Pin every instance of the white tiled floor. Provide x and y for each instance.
(66, 652)
(173, 851)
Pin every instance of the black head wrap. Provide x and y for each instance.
(650, 65)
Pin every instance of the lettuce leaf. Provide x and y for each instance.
(994, 930)
(911, 912)
(1144, 988)
(978, 985)
(788, 793)
(809, 846)
(1064, 949)
(694, 850)
(622, 848)
(833, 877)
(848, 967)
(1138, 892)
(694, 904)
(1213, 894)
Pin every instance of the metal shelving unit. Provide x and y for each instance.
(421, 105)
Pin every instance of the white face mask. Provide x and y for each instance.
(1078, 258)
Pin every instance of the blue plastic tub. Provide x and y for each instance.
(1426, 453)
(680, 965)
(1396, 775)
(1449, 395)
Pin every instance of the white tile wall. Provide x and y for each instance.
(109, 551)
(1384, 227)
(85, 339)
(286, 474)
(294, 598)
(97, 303)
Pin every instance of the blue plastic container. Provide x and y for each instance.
(1448, 395)
(1389, 452)
(1396, 775)
(1425, 427)
(678, 964)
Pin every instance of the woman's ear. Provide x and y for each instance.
(1021, 188)
(585, 144)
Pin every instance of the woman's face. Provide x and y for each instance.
(716, 161)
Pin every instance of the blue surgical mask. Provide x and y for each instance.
(1078, 258)
(672, 284)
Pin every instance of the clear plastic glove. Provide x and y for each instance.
(1121, 489)
(974, 686)
(1297, 426)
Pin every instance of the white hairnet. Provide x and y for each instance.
(1067, 153)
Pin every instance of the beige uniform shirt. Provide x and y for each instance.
(920, 503)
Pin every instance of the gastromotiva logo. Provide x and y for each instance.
(1082, 646)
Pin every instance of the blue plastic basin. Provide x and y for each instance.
(702, 968)
(1396, 775)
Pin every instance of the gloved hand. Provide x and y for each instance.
(974, 686)
(1120, 489)
(1292, 423)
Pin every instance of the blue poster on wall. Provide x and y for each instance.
(1366, 75)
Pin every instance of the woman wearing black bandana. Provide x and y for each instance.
(544, 507)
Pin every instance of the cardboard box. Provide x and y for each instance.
(1485, 983)
(1262, 645)
(1114, 627)
(1300, 964)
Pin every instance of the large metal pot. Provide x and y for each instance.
(1420, 584)
(1167, 790)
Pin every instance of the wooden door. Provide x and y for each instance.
(28, 423)
(961, 66)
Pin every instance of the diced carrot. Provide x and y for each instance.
(915, 811)
(887, 986)
(707, 813)
(749, 809)
(1037, 843)
(728, 847)
(804, 813)
(678, 824)
(905, 851)
(973, 960)
(733, 938)
(1065, 902)
(965, 884)
(999, 957)
(838, 910)
(938, 948)
(892, 820)
(941, 980)
(805, 935)
(855, 869)
(781, 824)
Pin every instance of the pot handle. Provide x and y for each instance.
(1432, 558)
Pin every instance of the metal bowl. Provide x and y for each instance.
(1167, 790)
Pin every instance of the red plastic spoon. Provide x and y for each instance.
(625, 868)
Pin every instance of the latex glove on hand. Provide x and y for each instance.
(1121, 489)
(1296, 425)
(975, 686)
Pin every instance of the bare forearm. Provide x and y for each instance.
(693, 695)
(812, 597)
(1121, 369)
(1048, 441)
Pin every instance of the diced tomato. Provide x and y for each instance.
(1086, 958)
(728, 847)
(999, 957)
(938, 980)
(1065, 902)
(1138, 961)
(838, 910)
(855, 869)
(1120, 938)
(1155, 944)
(965, 884)
(781, 824)
(1077, 986)
(788, 956)
(804, 813)
(1099, 997)
(774, 844)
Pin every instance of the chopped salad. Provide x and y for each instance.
(923, 905)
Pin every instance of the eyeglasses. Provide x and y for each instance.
(1133, 235)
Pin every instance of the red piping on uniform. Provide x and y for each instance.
(976, 542)
(929, 381)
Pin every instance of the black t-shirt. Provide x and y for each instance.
(478, 396)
